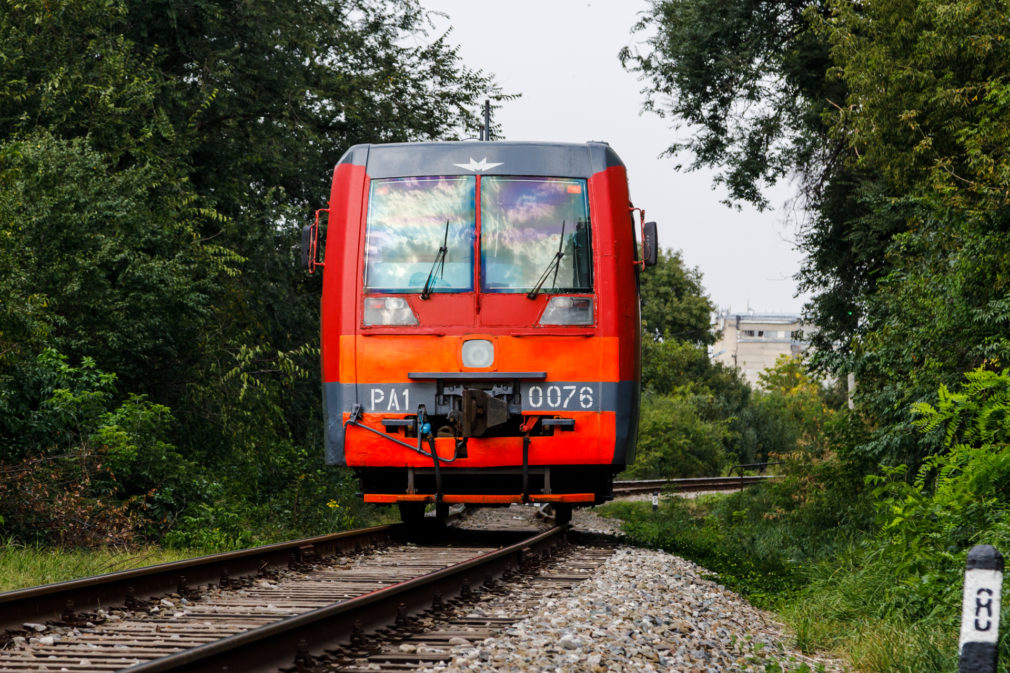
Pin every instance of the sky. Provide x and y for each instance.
(561, 55)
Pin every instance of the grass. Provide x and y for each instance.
(822, 579)
(28, 566)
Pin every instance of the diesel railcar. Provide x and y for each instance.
(480, 325)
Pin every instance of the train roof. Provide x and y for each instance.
(563, 160)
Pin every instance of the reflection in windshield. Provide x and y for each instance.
(406, 226)
(522, 220)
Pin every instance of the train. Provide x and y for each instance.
(480, 328)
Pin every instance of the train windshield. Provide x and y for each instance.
(525, 223)
(409, 220)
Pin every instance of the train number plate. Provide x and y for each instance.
(561, 396)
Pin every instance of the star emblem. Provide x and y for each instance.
(478, 166)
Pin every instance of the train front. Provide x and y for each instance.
(480, 323)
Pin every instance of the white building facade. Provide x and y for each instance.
(752, 342)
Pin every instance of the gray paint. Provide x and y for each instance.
(627, 407)
(978, 658)
(357, 155)
(984, 557)
(333, 413)
(562, 160)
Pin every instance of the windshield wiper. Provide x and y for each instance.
(554, 265)
(439, 262)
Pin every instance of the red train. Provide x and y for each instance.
(481, 334)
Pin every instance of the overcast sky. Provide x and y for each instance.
(561, 55)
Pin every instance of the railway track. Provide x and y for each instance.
(305, 606)
(687, 485)
(439, 635)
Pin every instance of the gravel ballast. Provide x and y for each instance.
(643, 611)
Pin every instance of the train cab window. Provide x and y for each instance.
(409, 220)
(525, 222)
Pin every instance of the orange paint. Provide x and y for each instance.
(387, 358)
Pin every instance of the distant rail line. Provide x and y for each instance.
(273, 607)
(692, 485)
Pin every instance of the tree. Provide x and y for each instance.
(689, 403)
(114, 252)
(680, 436)
(68, 68)
(927, 92)
(156, 162)
(750, 81)
(896, 125)
(674, 304)
(748, 78)
(272, 93)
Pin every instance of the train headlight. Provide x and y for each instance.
(478, 353)
(388, 311)
(568, 311)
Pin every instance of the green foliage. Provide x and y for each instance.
(757, 541)
(24, 566)
(114, 252)
(68, 68)
(893, 115)
(926, 82)
(674, 305)
(747, 78)
(689, 402)
(791, 395)
(958, 497)
(672, 363)
(76, 466)
(679, 435)
(872, 574)
(699, 417)
(156, 162)
(270, 94)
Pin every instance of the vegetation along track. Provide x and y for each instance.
(312, 610)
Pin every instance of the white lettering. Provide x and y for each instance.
(377, 397)
(571, 393)
(394, 402)
(536, 396)
(406, 399)
(586, 397)
(554, 396)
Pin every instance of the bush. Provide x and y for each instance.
(678, 436)
(78, 469)
(957, 498)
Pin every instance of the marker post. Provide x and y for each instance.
(980, 609)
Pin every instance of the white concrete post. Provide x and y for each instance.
(983, 581)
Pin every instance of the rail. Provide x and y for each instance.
(60, 601)
(689, 485)
(279, 644)
(760, 467)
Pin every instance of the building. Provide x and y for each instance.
(752, 342)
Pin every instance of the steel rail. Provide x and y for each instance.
(688, 485)
(276, 645)
(55, 602)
